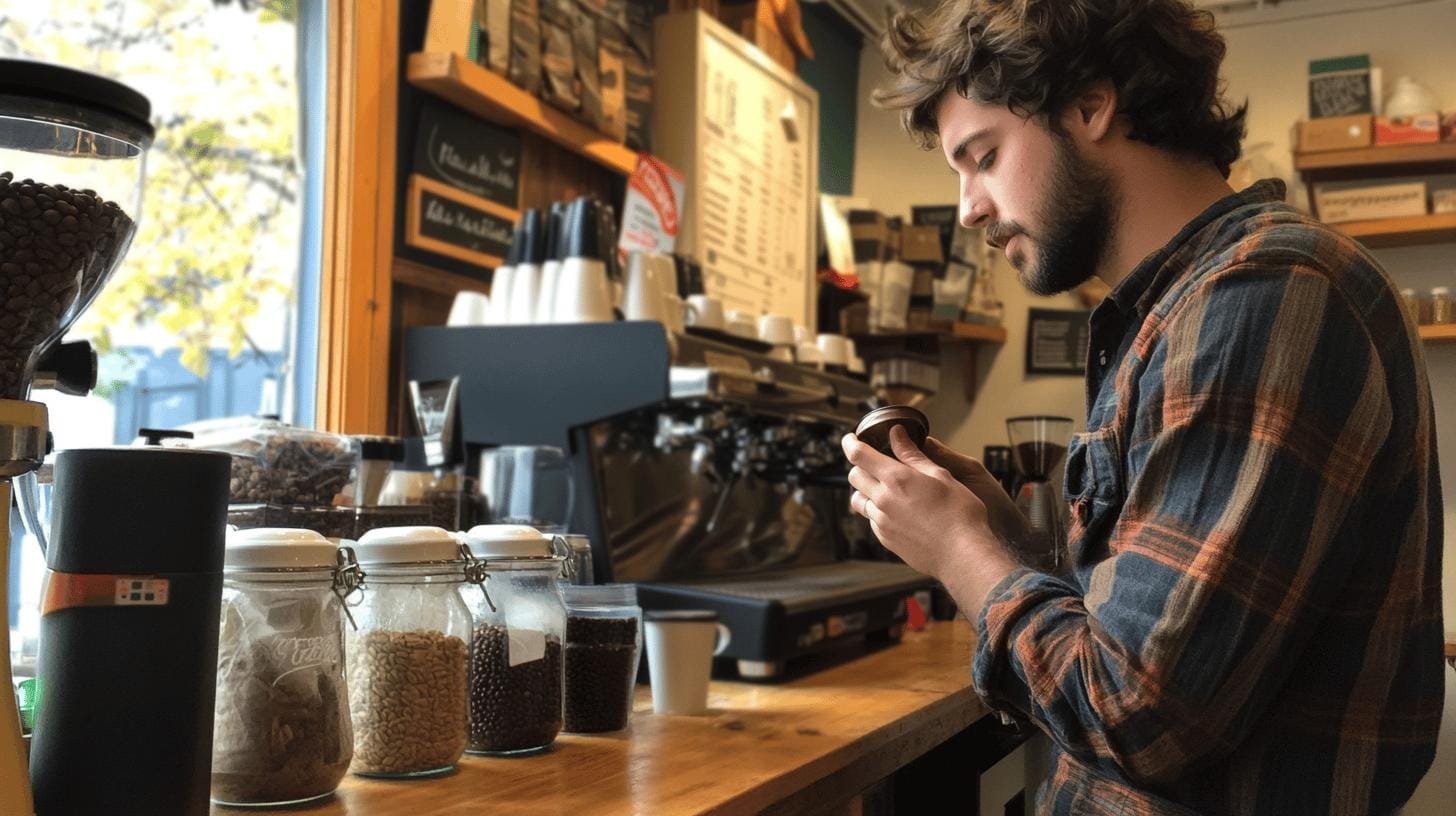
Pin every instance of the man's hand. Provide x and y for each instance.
(923, 514)
(1006, 521)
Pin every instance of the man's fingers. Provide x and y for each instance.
(908, 454)
(870, 460)
(863, 482)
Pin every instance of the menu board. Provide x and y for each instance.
(1056, 341)
(755, 188)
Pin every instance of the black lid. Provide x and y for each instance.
(582, 238)
(153, 437)
(382, 448)
(116, 104)
(553, 230)
(513, 255)
(533, 242)
(134, 511)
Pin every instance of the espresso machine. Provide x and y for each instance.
(706, 472)
(72, 150)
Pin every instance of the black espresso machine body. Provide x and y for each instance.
(706, 472)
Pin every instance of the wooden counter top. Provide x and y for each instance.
(791, 748)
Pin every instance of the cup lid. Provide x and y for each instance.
(265, 548)
(406, 545)
(489, 541)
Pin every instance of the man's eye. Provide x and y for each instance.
(986, 161)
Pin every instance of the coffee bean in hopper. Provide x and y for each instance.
(55, 242)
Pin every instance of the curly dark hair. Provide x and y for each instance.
(1036, 56)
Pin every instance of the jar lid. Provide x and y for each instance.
(57, 83)
(385, 448)
(599, 595)
(496, 541)
(265, 548)
(406, 545)
(874, 428)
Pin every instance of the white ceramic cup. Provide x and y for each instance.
(808, 355)
(546, 299)
(583, 293)
(705, 312)
(525, 289)
(469, 309)
(833, 350)
(500, 295)
(643, 298)
(776, 330)
(680, 651)
(742, 324)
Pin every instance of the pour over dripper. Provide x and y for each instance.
(1038, 444)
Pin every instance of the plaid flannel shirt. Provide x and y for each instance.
(1251, 622)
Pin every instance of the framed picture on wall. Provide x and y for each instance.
(1056, 342)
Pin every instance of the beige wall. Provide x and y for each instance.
(1267, 64)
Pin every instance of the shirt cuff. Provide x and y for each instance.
(993, 666)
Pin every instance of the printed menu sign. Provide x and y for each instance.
(1056, 341)
(468, 154)
(446, 221)
(652, 213)
(757, 200)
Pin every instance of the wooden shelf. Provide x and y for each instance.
(980, 333)
(1439, 334)
(1384, 157)
(487, 94)
(1396, 232)
(438, 281)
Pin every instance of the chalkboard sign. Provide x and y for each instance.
(447, 221)
(468, 154)
(1056, 342)
(1340, 87)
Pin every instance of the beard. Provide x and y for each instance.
(1078, 214)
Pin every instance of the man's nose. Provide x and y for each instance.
(976, 212)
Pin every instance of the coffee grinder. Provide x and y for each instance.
(1038, 444)
(72, 160)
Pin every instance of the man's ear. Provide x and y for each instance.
(1092, 113)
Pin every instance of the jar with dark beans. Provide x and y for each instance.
(513, 707)
(55, 243)
(516, 648)
(603, 646)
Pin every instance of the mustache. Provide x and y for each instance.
(999, 233)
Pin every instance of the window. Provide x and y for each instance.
(214, 310)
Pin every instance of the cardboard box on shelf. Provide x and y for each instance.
(1335, 133)
(924, 285)
(921, 244)
(1422, 128)
(1448, 126)
(1443, 201)
(870, 231)
(775, 26)
(1340, 203)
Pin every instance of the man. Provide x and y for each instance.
(1251, 618)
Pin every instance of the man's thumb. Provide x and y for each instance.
(906, 451)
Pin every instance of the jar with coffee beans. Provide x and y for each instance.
(407, 661)
(282, 733)
(516, 647)
(603, 645)
(277, 463)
